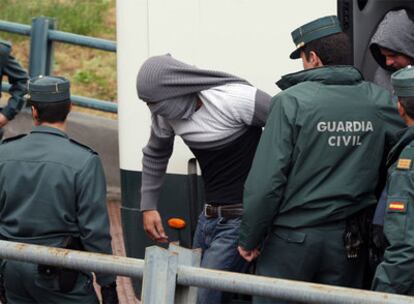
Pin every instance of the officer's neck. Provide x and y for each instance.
(57, 125)
(409, 122)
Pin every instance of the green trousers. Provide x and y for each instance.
(24, 284)
(315, 254)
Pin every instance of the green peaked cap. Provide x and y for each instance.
(48, 89)
(403, 82)
(313, 30)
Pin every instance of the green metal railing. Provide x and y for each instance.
(42, 33)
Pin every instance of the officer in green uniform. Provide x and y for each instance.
(317, 164)
(17, 78)
(53, 193)
(396, 273)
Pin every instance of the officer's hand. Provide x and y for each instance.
(153, 226)
(248, 255)
(3, 120)
(109, 295)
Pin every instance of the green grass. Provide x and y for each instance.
(85, 17)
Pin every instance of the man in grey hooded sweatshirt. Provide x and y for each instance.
(392, 45)
(220, 117)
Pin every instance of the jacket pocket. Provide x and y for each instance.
(290, 236)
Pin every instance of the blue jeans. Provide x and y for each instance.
(218, 239)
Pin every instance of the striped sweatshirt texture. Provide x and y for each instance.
(229, 106)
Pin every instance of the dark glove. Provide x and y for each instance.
(379, 244)
(109, 295)
(378, 237)
(3, 299)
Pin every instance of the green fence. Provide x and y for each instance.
(42, 34)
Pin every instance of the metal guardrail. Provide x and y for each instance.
(42, 36)
(95, 43)
(82, 101)
(168, 270)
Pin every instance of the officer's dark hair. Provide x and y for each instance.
(331, 50)
(408, 105)
(52, 111)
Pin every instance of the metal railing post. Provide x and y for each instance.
(41, 48)
(160, 275)
(187, 257)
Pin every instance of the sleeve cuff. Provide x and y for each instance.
(148, 201)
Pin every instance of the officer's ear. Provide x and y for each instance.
(401, 110)
(35, 114)
(310, 60)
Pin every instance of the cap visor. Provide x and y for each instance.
(295, 54)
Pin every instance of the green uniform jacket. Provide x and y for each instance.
(52, 187)
(17, 77)
(396, 273)
(321, 152)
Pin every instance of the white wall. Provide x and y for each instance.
(249, 38)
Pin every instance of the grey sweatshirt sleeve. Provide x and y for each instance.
(261, 108)
(156, 155)
(250, 106)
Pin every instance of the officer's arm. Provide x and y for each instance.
(17, 77)
(92, 213)
(396, 273)
(266, 182)
(388, 112)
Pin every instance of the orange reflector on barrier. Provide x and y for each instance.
(176, 223)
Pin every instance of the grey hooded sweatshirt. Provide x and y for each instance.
(224, 130)
(396, 33)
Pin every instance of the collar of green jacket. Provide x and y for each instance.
(405, 137)
(49, 130)
(333, 74)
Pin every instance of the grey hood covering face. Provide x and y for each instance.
(170, 86)
(396, 33)
(176, 108)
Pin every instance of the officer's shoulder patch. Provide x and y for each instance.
(83, 146)
(13, 138)
(397, 206)
(405, 161)
(404, 164)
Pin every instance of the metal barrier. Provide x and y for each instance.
(162, 269)
(43, 33)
